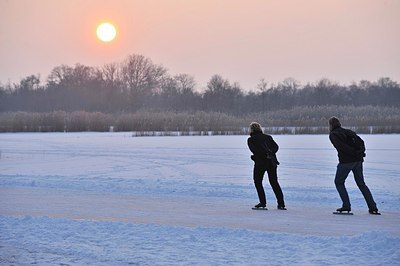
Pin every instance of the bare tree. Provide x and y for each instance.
(221, 96)
(262, 87)
(140, 75)
(29, 83)
(60, 74)
(290, 83)
(185, 83)
(110, 75)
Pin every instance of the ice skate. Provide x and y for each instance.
(374, 211)
(343, 210)
(260, 206)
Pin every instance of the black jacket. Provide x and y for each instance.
(346, 153)
(263, 147)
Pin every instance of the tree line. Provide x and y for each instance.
(139, 95)
(138, 85)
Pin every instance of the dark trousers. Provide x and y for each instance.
(342, 171)
(258, 176)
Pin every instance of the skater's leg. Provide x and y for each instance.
(258, 175)
(273, 180)
(359, 178)
(342, 171)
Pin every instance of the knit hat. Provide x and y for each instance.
(255, 127)
(334, 122)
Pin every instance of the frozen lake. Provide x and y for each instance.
(110, 198)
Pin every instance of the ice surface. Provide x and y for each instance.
(114, 199)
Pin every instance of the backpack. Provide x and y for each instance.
(353, 140)
(270, 154)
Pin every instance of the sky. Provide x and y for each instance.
(241, 40)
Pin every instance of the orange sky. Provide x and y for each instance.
(242, 40)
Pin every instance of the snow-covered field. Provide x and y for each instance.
(112, 199)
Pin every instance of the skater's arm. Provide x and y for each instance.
(255, 149)
(272, 145)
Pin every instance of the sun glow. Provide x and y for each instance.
(106, 32)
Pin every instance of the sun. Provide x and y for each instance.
(106, 32)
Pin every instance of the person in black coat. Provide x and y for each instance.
(264, 150)
(351, 157)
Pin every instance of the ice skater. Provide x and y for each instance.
(264, 150)
(351, 153)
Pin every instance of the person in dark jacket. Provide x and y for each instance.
(350, 159)
(264, 150)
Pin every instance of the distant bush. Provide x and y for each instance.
(299, 120)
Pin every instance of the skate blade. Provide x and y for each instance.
(260, 209)
(343, 213)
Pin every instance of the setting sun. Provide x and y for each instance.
(106, 32)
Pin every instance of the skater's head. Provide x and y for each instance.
(255, 127)
(334, 123)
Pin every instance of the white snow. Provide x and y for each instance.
(114, 199)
